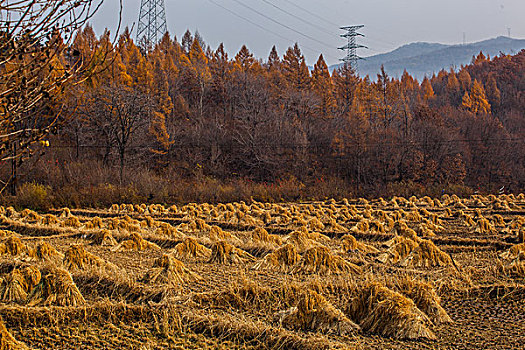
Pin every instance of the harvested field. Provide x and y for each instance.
(418, 273)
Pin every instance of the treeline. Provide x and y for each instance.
(186, 111)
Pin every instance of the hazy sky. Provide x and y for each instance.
(388, 23)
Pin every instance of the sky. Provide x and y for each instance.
(314, 24)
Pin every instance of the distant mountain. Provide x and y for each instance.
(420, 59)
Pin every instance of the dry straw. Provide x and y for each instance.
(427, 254)
(18, 283)
(103, 238)
(7, 341)
(281, 259)
(168, 270)
(135, 242)
(314, 313)
(225, 253)
(78, 258)
(45, 252)
(190, 248)
(382, 311)
(56, 288)
(425, 298)
(350, 244)
(321, 260)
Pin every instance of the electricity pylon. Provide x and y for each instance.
(351, 47)
(152, 23)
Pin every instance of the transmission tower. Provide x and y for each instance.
(152, 23)
(351, 47)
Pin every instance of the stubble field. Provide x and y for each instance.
(416, 273)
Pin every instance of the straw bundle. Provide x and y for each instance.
(314, 313)
(191, 248)
(168, 270)
(282, 259)
(225, 253)
(56, 288)
(382, 311)
(321, 260)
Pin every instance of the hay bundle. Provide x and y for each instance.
(225, 253)
(382, 311)
(413, 216)
(425, 298)
(104, 238)
(7, 341)
(484, 226)
(314, 313)
(377, 226)
(44, 251)
(517, 223)
(321, 260)
(56, 288)
(497, 220)
(217, 234)
(167, 230)
(65, 213)
(300, 240)
(427, 255)
(261, 235)
(361, 226)
(97, 222)
(168, 270)
(18, 283)
(350, 244)
(71, 221)
(114, 208)
(399, 248)
(282, 259)
(515, 252)
(29, 215)
(333, 226)
(49, 219)
(13, 246)
(190, 248)
(78, 258)
(7, 233)
(401, 229)
(315, 224)
(135, 242)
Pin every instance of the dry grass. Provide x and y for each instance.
(56, 288)
(190, 248)
(224, 253)
(168, 270)
(321, 260)
(45, 252)
(350, 244)
(281, 259)
(314, 313)
(425, 298)
(399, 248)
(426, 254)
(381, 311)
(18, 283)
(7, 341)
(78, 258)
(135, 242)
(103, 238)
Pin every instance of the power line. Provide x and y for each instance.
(263, 28)
(298, 18)
(281, 24)
(330, 22)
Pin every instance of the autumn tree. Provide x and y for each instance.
(37, 68)
(323, 86)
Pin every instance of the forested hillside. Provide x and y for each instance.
(185, 112)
